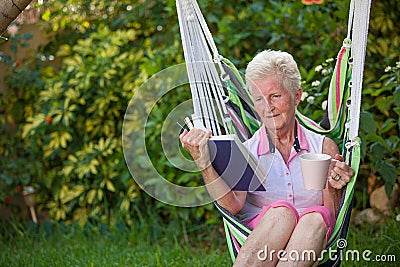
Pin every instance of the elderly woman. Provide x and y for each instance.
(285, 217)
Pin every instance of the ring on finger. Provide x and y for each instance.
(337, 177)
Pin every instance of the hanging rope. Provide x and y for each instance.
(202, 59)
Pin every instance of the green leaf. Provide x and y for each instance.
(396, 97)
(13, 48)
(6, 178)
(46, 15)
(388, 172)
(387, 126)
(26, 36)
(389, 188)
(377, 138)
(378, 150)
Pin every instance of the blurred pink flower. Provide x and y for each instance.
(310, 2)
(19, 20)
(12, 30)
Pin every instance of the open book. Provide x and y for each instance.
(234, 163)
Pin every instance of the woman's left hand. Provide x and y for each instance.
(339, 173)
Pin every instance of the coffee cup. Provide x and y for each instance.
(314, 168)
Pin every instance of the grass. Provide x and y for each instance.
(60, 245)
(378, 242)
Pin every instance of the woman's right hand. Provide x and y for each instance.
(196, 143)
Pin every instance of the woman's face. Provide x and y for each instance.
(275, 104)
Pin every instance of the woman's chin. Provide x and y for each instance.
(270, 124)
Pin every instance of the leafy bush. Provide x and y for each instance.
(77, 127)
(18, 164)
(380, 124)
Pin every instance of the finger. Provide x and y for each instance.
(340, 177)
(342, 182)
(334, 183)
(203, 142)
(344, 170)
(201, 134)
(331, 166)
(185, 132)
(339, 184)
(338, 157)
(351, 172)
(338, 180)
(207, 135)
(334, 174)
(196, 137)
(195, 132)
(192, 134)
(345, 178)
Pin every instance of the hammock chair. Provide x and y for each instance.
(222, 104)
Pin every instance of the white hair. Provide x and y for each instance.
(277, 64)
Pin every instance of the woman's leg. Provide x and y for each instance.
(269, 236)
(307, 241)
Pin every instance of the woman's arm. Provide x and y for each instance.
(338, 169)
(196, 142)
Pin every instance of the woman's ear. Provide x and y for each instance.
(298, 96)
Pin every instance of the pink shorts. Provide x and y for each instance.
(327, 216)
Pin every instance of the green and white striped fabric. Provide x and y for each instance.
(339, 90)
(244, 119)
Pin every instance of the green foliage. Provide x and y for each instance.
(383, 38)
(380, 125)
(77, 127)
(18, 165)
(67, 118)
(315, 85)
(310, 33)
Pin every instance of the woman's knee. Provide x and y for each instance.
(279, 222)
(313, 221)
(281, 214)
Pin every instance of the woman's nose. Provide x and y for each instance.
(269, 106)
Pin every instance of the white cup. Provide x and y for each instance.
(314, 168)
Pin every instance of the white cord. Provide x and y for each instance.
(359, 45)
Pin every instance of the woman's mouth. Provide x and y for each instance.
(272, 116)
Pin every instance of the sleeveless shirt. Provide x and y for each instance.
(284, 180)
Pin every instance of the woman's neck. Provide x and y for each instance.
(283, 140)
(285, 135)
